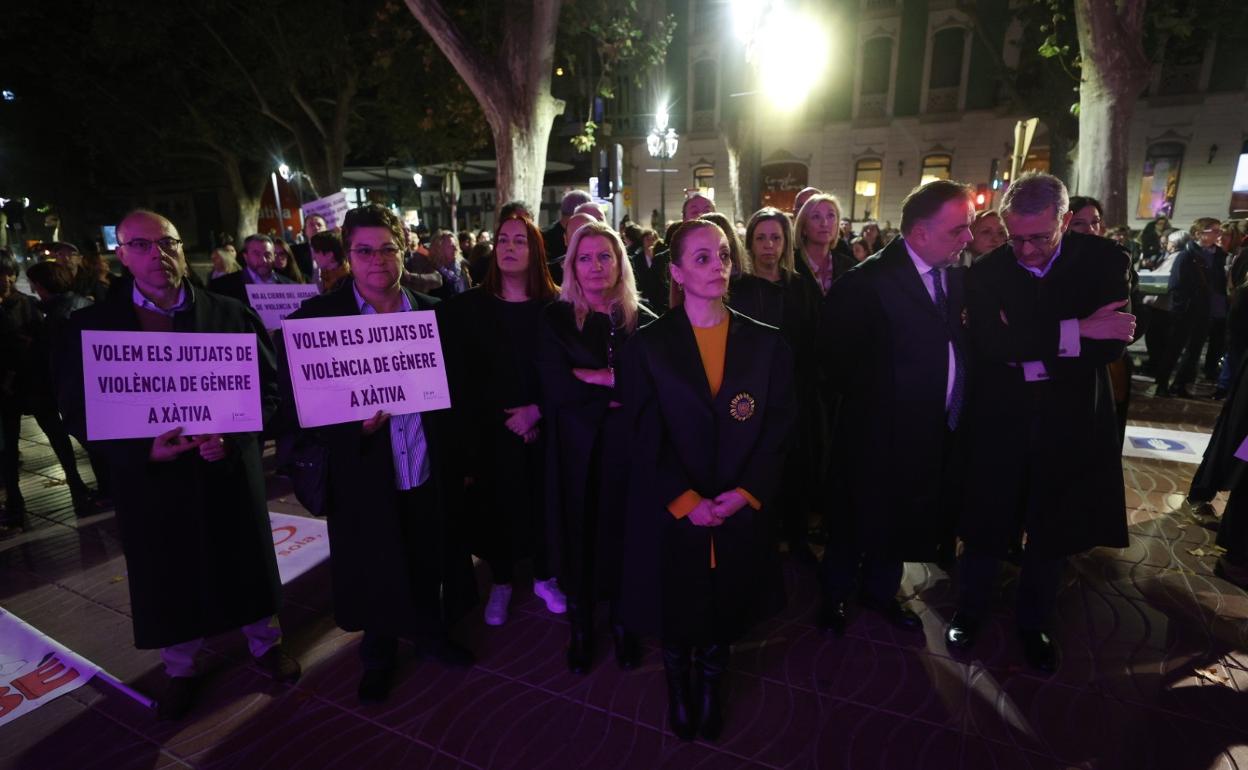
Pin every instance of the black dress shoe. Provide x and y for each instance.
(1039, 650)
(712, 664)
(962, 631)
(677, 661)
(894, 612)
(375, 685)
(178, 698)
(1181, 391)
(1161, 391)
(833, 616)
(278, 665)
(627, 648)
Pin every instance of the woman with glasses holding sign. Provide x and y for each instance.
(712, 396)
(588, 433)
(400, 564)
(499, 397)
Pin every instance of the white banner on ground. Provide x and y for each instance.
(274, 301)
(346, 368)
(1161, 444)
(34, 669)
(142, 384)
(332, 207)
(301, 543)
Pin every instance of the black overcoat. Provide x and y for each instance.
(685, 439)
(884, 348)
(1044, 457)
(377, 585)
(589, 444)
(196, 534)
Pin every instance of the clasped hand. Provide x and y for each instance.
(522, 421)
(603, 377)
(172, 444)
(711, 513)
(1107, 323)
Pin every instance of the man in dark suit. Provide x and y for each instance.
(1044, 454)
(555, 237)
(191, 509)
(257, 268)
(892, 344)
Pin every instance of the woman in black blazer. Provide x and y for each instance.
(588, 433)
(711, 393)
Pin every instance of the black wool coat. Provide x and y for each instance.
(196, 534)
(378, 584)
(685, 439)
(589, 445)
(653, 280)
(884, 348)
(1044, 457)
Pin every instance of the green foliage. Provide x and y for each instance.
(584, 141)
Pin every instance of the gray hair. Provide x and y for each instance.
(261, 237)
(1035, 193)
(1178, 239)
(572, 199)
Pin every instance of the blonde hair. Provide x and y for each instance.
(621, 297)
(227, 260)
(799, 226)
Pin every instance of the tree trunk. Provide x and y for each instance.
(1115, 70)
(744, 167)
(248, 218)
(521, 150)
(1061, 145)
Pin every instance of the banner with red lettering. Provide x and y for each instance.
(301, 543)
(34, 669)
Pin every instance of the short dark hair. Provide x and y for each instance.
(8, 265)
(260, 238)
(632, 233)
(54, 277)
(328, 241)
(925, 200)
(512, 209)
(1083, 201)
(373, 215)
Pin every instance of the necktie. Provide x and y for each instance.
(954, 410)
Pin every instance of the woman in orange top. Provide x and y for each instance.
(713, 402)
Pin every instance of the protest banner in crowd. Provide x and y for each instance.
(332, 208)
(143, 384)
(299, 542)
(346, 368)
(274, 301)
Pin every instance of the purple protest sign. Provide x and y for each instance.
(274, 301)
(346, 368)
(142, 384)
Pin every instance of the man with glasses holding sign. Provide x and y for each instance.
(1046, 313)
(366, 374)
(158, 358)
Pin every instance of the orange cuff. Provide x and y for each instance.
(684, 505)
(751, 499)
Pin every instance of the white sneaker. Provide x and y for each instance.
(556, 602)
(496, 605)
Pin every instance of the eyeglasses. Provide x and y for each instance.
(144, 246)
(1036, 241)
(368, 252)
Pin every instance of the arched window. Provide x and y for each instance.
(1159, 184)
(935, 167)
(877, 71)
(945, 76)
(704, 85)
(868, 178)
(704, 180)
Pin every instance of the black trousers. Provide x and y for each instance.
(1187, 338)
(1037, 587)
(1217, 346)
(1233, 531)
(49, 421)
(843, 565)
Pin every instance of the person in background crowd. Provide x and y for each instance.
(259, 256)
(284, 262)
(802, 196)
(847, 232)
(483, 236)
(223, 574)
(987, 233)
(495, 333)
(695, 206)
(400, 560)
(223, 263)
(1197, 289)
(1045, 454)
(893, 347)
(329, 261)
(516, 208)
(479, 257)
(816, 231)
(86, 283)
(871, 234)
(1087, 215)
(736, 251)
(95, 263)
(589, 434)
(466, 241)
(776, 294)
(444, 257)
(1156, 308)
(1152, 246)
(858, 247)
(555, 237)
(302, 252)
(592, 210)
(632, 235)
(1233, 243)
(713, 397)
(650, 271)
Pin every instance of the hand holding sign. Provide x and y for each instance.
(212, 448)
(172, 444)
(372, 424)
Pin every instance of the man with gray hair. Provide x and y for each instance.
(554, 236)
(1045, 316)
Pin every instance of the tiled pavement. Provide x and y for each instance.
(1155, 672)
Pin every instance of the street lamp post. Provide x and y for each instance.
(662, 143)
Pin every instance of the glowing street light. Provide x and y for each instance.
(284, 172)
(771, 32)
(661, 143)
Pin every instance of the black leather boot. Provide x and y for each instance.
(712, 665)
(676, 664)
(581, 638)
(627, 645)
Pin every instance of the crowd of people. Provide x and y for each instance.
(648, 421)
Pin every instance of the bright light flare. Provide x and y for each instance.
(746, 15)
(787, 80)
